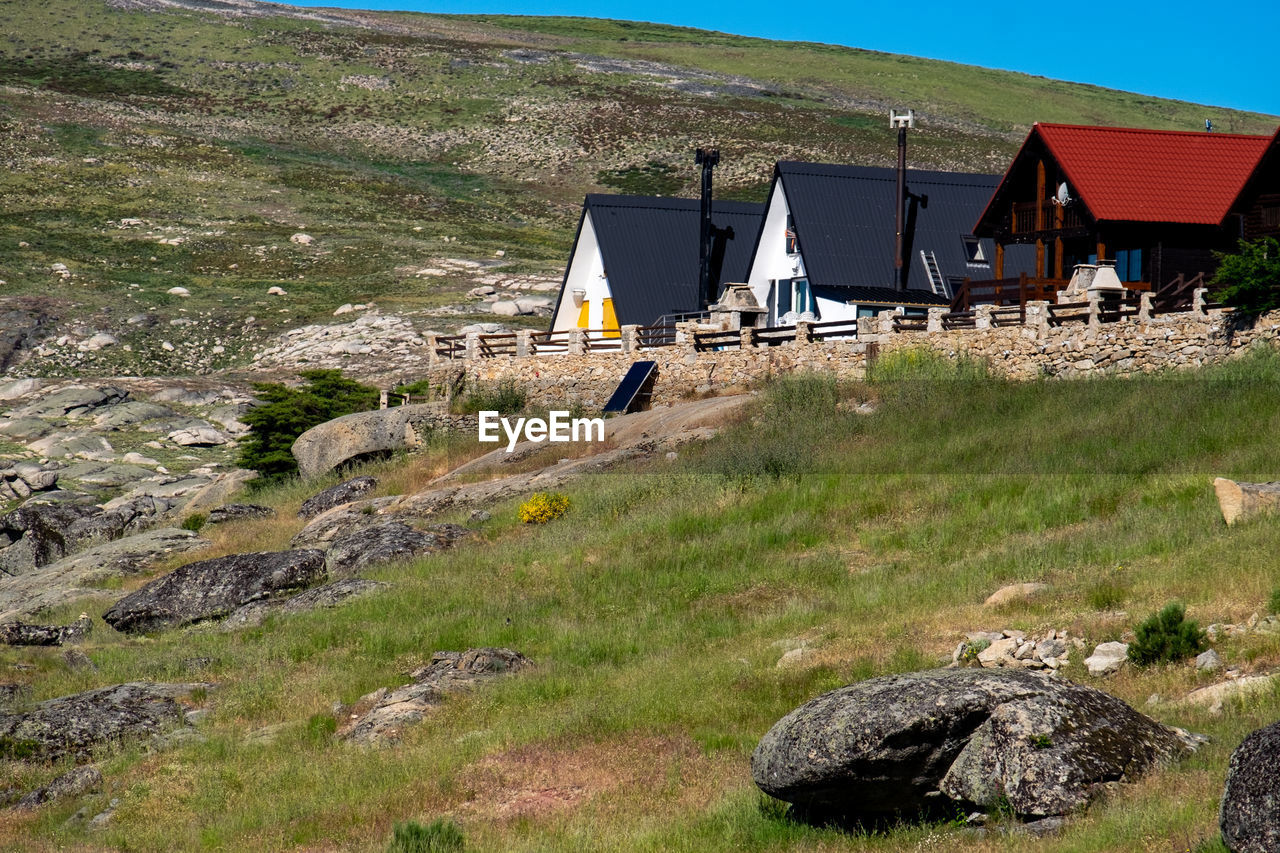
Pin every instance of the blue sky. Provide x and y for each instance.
(1213, 53)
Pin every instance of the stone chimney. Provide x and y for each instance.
(737, 308)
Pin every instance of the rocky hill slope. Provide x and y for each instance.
(186, 179)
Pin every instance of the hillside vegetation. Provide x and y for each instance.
(149, 145)
(658, 608)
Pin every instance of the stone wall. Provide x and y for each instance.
(1038, 348)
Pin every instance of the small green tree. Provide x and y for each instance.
(287, 413)
(1249, 279)
(1166, 636)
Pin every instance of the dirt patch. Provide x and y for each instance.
(639, 774)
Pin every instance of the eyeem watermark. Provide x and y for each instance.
(560, 427)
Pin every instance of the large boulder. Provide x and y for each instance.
(363, 434)
(36, 535)
(387, 541)
(1250, 813)
(78, 725)
(85, 574)
(317, 598)
(343, 493)
(927, 743)
(212, 589)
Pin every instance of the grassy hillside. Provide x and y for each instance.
(658, 609)
(397, 140)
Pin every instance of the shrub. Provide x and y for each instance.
(505, 398)
(1166, 636)
(286, 413)
(1107, 595)
(1273, 603)
(439, 836)
(194, 522)
(1249, 279)
(543, 507)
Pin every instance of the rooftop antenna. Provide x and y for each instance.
(903, 122)
(707, 159)
(1208, 125)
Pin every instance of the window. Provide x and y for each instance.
(804, 300)
(973, 252)
(784, 296)
(1271, 215)
(1129, 264)
(793, 242)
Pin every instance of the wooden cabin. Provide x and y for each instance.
(1157, 202)
(826, 246)
(635, 260)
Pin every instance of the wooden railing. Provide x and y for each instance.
(656, 336)
(1003, 292)
(452, 346)
(1177, 295)
(703, 341)
(1024, 216)
(1068, 312)
(773, 336)
(910, 324)
(548, 342)
(601, 340)
(833, 329)
(495, 345)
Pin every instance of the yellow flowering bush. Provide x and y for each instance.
(542, 507)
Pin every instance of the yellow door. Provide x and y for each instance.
(583, 314)
(610, 324)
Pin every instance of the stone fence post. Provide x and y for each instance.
(746, 337)
(1146, 301)
(630, 340)
(1198, 299)
(884, 321)
(982, 316)
(473, 346)
(934, 323)
(577, 341)
(1095, 308)
(804, 328)
(433, 357)
(684, 336)
(1038, 317)
(522, 342)
(866, 327)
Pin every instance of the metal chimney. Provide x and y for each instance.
(706, 287)
(903, 122)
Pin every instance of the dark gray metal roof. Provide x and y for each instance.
(886, 296)
(650, 250)
(844, 219)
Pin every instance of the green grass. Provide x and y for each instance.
(657, 608)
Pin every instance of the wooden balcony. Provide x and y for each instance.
(1025, 217)
(1006, 292)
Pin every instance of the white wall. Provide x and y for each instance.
(771, 261)
(587, 273)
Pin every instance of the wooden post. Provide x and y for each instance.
(1040, 197)
(1039, 257)
(999, 266)
(1102, 248)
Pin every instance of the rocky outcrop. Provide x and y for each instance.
(1245, 500)
(320, 597)
(73, 783)
(387, 541)
(78, 725)
(928, 742)
(37, 535)
(22, 634)
(212, 589)
(82, 575)
(343, 493)
(1250, 811)
(363, 435)
(382, 715)
(239, 512)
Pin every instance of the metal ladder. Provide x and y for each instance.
(937, 282)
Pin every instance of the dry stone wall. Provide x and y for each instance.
(1038, 348)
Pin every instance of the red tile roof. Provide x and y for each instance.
(1153, 175)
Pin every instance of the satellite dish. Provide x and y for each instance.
(1064, 196)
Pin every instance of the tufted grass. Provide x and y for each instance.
(658, 608)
